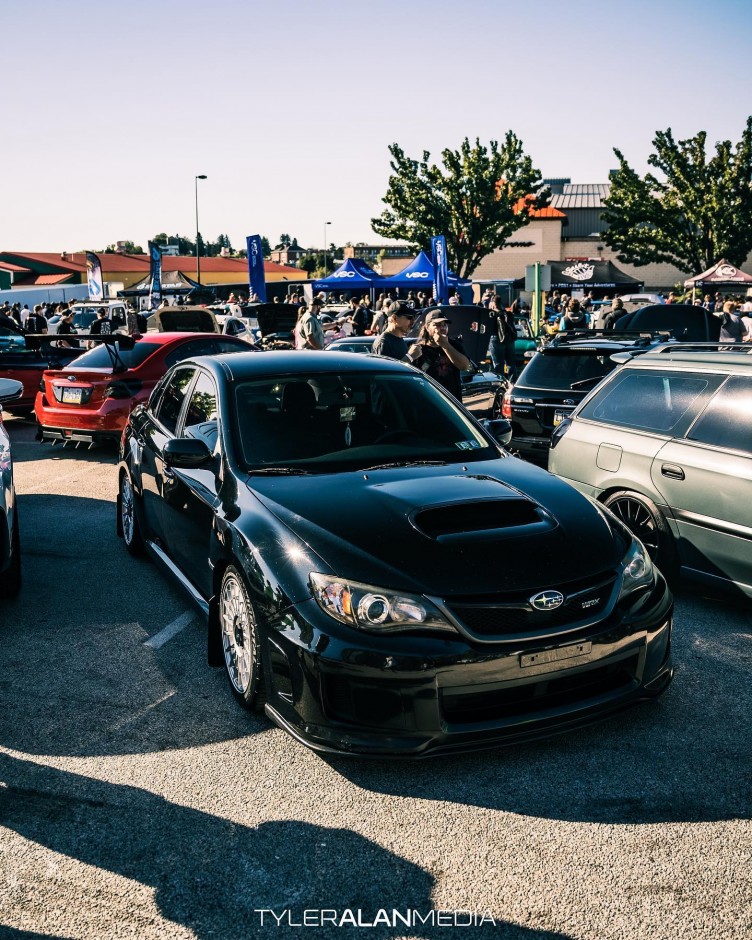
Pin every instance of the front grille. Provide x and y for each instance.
(468, 707)
(516, 617)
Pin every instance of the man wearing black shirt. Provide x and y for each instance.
(361, 319)
(391, 342)
(438, 356)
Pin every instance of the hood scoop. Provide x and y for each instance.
(489, 520)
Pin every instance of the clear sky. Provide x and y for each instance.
(109, 110)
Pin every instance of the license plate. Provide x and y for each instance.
(73, 395)
(555, 656)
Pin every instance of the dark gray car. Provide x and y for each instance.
(666, 443)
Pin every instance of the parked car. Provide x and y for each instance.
(688, 323)
(10, 540)
(371, 561)
(85, 313)
(25, 358)
(182, 320)
(556, 380)
(666, 444)
(90, 399)
(482, 391)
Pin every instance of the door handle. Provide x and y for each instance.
(671, 471)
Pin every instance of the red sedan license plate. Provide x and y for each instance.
(73, 396)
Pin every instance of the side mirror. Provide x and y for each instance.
(188, 453)
(500, 430)
(10, 390)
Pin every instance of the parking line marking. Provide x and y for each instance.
(140, 714)
(171, 630)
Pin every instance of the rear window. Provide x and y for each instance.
(566, 371)
(100, 358)
(650, 401)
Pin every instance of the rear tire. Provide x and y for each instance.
(128, 519)
(10, 580)
(238, 626)
(645, 520)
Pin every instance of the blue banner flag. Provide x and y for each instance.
(440, 270)
(256, 277)
(94, 276)
(155, 275)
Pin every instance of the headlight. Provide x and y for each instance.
(637, 569)
(375, 609)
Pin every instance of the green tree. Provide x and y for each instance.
(130, 248)
(185, 245)
(697, 211)
(309, 262)
(284, 242)
(473, 200)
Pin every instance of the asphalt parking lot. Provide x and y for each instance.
(136, 799)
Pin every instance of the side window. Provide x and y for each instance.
(184, 351)
(168, 410)
(201, 414)
(649, 401)
(727, 421)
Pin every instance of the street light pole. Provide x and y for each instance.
(326, 256)
(201, 176)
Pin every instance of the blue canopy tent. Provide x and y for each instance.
(353, 275)
(419, 273)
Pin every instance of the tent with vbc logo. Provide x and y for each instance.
(418, 275)
(353, 275)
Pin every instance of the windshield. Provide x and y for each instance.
(566, 370)
(321, 423)
(100, 358)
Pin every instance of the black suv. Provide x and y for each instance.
(558, 377)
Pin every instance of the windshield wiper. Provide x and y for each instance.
(405, 463)
(583, 383)
(281, 471)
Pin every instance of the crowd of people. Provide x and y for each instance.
(36, 321)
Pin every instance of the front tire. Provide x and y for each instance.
(10, 580)
(240, 638)
(645, 520)
(128, 519)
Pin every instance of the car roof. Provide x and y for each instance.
(162, 339)
(290, 362)
(716, 356)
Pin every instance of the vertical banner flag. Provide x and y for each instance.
(256, 277)
(94, 276)
(155, 275)
(440, 271)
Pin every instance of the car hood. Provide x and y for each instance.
(482, 528)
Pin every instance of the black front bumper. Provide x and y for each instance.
(343, 692)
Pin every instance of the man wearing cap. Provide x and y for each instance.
(437, 355)
(391, 342)
(309, 334)
(66, 328)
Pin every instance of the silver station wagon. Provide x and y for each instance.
(666, 443)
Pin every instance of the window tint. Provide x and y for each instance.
(206, 346)
(201, 415)
(565, 371)
(329, 422)
(99, 358)
(727, 421)
(168, 409)
(649, 401)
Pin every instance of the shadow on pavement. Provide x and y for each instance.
(75, 675)
(212, 875)
(682, 758)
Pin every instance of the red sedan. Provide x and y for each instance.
(90, 399)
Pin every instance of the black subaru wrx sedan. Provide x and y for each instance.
(375, 568)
